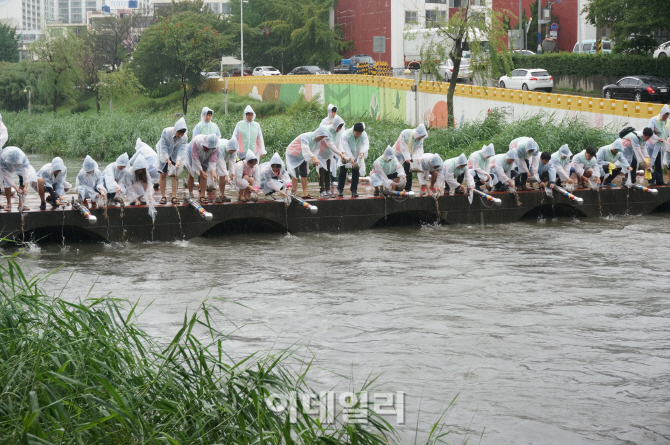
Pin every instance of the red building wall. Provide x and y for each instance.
(361, 20)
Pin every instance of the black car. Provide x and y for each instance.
(639, 89)
(309, 70)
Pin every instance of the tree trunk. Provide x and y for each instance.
(55, 97)
(456, 59)
(97, 101)
(184, 100)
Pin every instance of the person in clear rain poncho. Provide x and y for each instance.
(206, 126)
(635, 153)
(430, 174)
(660, 126)
(455, 171)
(247, 176)
(113, 177)
(4, 135)
(139, 188)
(502, 170)
(300, 153)
(51, 183)
(356, 145)
(225, 166)
(387, 171)
(249, 135)
(332, 112)
(409, 147)
(152, 160)
(527, 160)
(90, 184)
(275, 178)
(330, 149)
(479, 164)
(612, 162)
(201, 158)
(13, 160)
(546, 171)
(171, 149)
(561, 161)
(584, 166)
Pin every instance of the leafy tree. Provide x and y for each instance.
(14, 78)
(466, 29)
(633, 25)
(118, 84)
(59, 65)
(179, 49)
(9, 47)
(113, 38)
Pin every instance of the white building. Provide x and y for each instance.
(29, 17)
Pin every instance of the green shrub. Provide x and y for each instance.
(595, 64)
(80, 108)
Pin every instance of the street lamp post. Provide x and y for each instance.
(28, 90)
(241, 38)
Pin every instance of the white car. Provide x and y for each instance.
(528, 80)
(446, 69)
(266, 71)
(524, 52)
(662, 51)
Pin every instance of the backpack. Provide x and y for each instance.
(625, 131)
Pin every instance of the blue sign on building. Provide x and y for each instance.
(132, 4)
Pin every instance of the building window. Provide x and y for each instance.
(410, 17)
(454, 3)
(443, 2)
(435, 16)
(225, 8)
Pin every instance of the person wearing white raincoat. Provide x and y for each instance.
(89, 183)
(356, 145)
(113, 177)
(300, 153)
(546, 171)
(612, 162)
(409, 147)
(4, 135)
(201, 159)
(206, 126)
(247, 176)
(249, 135)
(479, 164)
(635, 153)
(225, 166)
(527, 160)
(152, 160)
(561, 161)
(329, 150)
(332, 112)
(139, 188)
(387, 171)
(275, 178)
(51, 180)
(502, 170)
(660, 126)
(584, 165)
(171, 150)
(431, 174)
(13, 160)
(455, 171)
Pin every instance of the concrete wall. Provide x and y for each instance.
(591, 83)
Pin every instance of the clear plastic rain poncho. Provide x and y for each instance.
(526, 149)
(114, 177)
(271, 182)
(89, 180)
(631, 146)
(409, 146)
(580, 164)
(455, 167)
(480, 161)
(661, 129)
(384, 166)
(57, 183)
(303, 147)
(249, 135)
(336, 136)
(500, 168)
(4, 135)
(561, 161)
(135, 188)
(226, 157)
(331, 147)
(13, 160)
(328, 119)
(206, 127)
(548, 168)
(242, 169)
(609, 161)
(203, 154)
(428, 163)
(171, 147)
(152, 159)
(353, 148)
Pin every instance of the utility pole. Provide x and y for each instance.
(521, 34)
(539, 26)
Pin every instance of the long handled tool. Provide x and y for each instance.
(577, 200)
(401, 194)
(204, 213)
(495, 201)
(306, 205)
(91, 218)
(644, 189)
